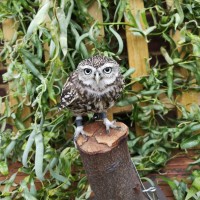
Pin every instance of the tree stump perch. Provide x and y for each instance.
(107, 163)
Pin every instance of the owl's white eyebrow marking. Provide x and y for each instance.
(85, 66)
(109, 65)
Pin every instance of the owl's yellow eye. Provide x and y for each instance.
(87, 71)
(107, 70)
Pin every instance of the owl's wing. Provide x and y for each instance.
(68, 95)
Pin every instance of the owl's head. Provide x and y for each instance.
(98, 72)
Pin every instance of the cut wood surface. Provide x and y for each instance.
(107, 163)
(98, 141)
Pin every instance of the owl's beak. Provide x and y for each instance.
(97, 78)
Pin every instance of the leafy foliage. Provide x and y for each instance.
(51, 38)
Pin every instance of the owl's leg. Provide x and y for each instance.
(109, 124)
(79, 128)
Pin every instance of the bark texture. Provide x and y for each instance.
(108, 164)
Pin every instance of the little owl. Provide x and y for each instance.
(92, 88)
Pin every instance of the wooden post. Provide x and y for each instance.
(137, 46)
(107, 163)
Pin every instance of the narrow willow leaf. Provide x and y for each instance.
(9, 184)
(195, 187)
(3, 168)
(129, 72)
(169, 182)
(33, 58)
(27, 149)
(7, 108)
(52, 163)
(121, 10)
(148, 144)
(80, 39)
(149, 30)
(33, 189)
(132, 143)
(137, 20)
(63, 24)
(196, 162)
(117, 9)
(39, 153)
(3, 126)
(60, 177)
(119, 39)
(177, 4)
(177, 20)
(9, 148)
(195, 128)
(54, 45)
(190, 142)
(151, 92)
(33, 69)
(127, 101)
(92, 31)
(83, 48)
(38, 19)
(170, 81)
(167, 24)
(63, 30)
(170, 40)
(52, 49)
(144, 18)
(166, 56)
(130, 18)
(25, 190)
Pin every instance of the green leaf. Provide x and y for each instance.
(191, 142)
(178, 6)
(177, 20)
(149, 30)
(129, 72)
(3, 168)
(149, 143)
(127, 101)
(170, 75)
(9, 148)
(170, 182)
(39, 18)
(39, 156)
(119, 40)
(166, 56)
(27, 149)
(195, 187)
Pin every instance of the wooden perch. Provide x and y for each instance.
(107, 163)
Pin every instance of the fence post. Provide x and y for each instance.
(137, 51)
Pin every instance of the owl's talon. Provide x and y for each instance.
(107, 131)
(110, 124)
(79, 131)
